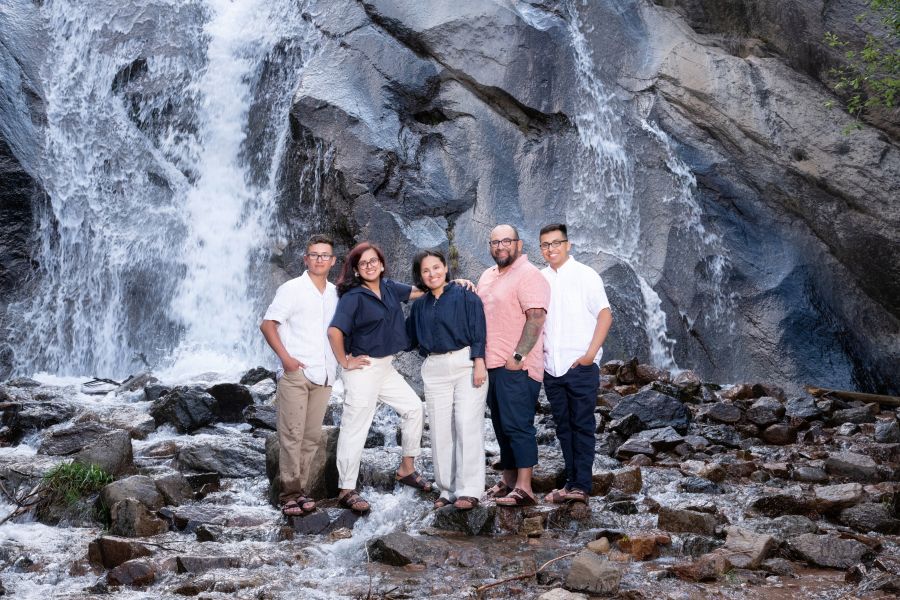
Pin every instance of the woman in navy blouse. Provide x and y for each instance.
(367, 330)
(447, 325)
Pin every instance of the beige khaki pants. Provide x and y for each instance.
(456, 423)
(363, 389)
(301, 407)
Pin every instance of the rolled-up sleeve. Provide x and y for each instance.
(533, 292)
(343, 314)
(477, 327)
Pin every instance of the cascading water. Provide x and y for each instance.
(162, 203)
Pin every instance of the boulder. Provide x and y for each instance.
(628, 480)
(478, 521)
(262, 417)
(784, 527)
(111, 451)
(263, 392)
(592, 574)
(256, 375)
(803, 407)
(19, 418)
(634, 446)
(779, 434)
(654, 410)
(229, 457)
(155, 391)
(662, 439)
(830, 498)
(69, 440)
(721, 435)
(130, 518)
(688, 381)
(699, 485)
(110, 551)
(870, 516)
(747, 549)
(780, 502)
(201, 564)
(827, 550)
(857, 415)
(678, 520)
(174, 488)
(887, 432)
(187, 408)
(723, 412)
(852, 466)
(765, 411)
(708, 567)
(137, 487)
(397, 549)
(232, 399)
(136, 573)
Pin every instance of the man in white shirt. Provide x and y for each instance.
(577, 323)
(295, 326)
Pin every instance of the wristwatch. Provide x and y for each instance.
(517, 357)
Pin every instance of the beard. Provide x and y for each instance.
(509, 259)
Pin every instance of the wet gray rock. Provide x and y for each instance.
(698, 545)
(688, 381)
(478, 521)
(314, 523)
(229, 457)
(777, 502)
(784, 527)
(202, 564)
(857, 415)
(779, 434)
(746, 549)
(19, 418)
(231, 399)
(155, 391)
(174, 488)
(187, 408)
(827, 550)
(130, 518)
(69, 440)
(627, 425)
(111, 551)
(139, 572)
(678, 520)
(765, 411)
(654, 410)
(847, 429)
(662, 439)
(699, 485)
(850, 465)
(263, 392)
(832, 498)
(634, 446)
(803, 407)
(262, 417)
(723, 412)
(592, 574)
(809, 474)
(722, 435)
(397, 549)
(256, 375)
(137, 487)
(887, 432)
(111, 451)
(869, 517)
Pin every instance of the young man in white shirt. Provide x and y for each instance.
(295, 326)
(577, 323)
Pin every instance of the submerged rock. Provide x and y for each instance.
(592, 574)
(187, 408)
(827, 550)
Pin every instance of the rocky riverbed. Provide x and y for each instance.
(700, 491)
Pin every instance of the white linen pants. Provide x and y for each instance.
(363, 389)
(456, 417)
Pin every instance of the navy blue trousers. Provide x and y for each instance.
(512, 398)
(573, 397)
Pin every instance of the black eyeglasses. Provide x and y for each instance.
(317, 257)
(505, 242)
(554, 244)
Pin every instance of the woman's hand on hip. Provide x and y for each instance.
(356, 362)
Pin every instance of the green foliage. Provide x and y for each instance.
(70, 482)
(871, 77)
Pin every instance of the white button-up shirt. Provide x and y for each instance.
(303, 314)
(577, 296)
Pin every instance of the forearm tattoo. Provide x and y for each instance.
(531, 333)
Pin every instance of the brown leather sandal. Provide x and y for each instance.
(577, 495)
(414, 480)
(499, 490)
(465, 503)
(351, 500)
(441, 503)
(517, 498)
(292, 509)
(559, 496)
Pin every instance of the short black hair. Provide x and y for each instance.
(555, 227)
(417, 267)
(319, 239)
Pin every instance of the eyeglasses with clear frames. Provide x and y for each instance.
(318, 257)
(554, 244)
(365, 264)
(505, 242)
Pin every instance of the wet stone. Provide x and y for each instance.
(136, 573)
(628, 480)
(783, 527)
(174, 489)
(870, 517)
(314, 523)
(836, 497)
(640, 460)
(592, 574)
(130, 518)
(261, 417)
(780, 503)
(765, 411)
(263, 392)
(850, 465)
(154, 391)
(699, 485)
(722, 435)
(137, 487)
(655, 410)
(187, 408)
(827, 550)
(397, 549)
(810, 474)
(698, 545)
(708, 567)
(477, 521)
(779, 434)
(633, 447)
(747, 549)
(111, 551)
(111, 451)
(687, 521)
(70, 440)
(858, 415)
(627, 425)
(202, 564)
(255, 375)
(887, 432)
(723, 412)
(803, 407)
(847, 429)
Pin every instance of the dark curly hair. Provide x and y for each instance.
(417, 267)
(350, 278)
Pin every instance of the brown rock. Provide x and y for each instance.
(600, 546)
(829, 498)
(639, 546)
(747, 549)
(628, 480)
(601, 482)
(111, 551)
(130, 518)
(713, 471)
(678, 520)
(779, 434)
(138, 572)
(708, 567)
(591, 573)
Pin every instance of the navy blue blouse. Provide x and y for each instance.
(373, 326)
(453, 321)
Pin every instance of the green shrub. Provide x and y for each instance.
(68, 483)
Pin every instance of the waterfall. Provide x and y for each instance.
(161, 182)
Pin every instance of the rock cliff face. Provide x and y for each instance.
(445, 119)
(740, 232)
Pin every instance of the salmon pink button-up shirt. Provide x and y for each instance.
(506, 297)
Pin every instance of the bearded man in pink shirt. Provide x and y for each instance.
(515, 297)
